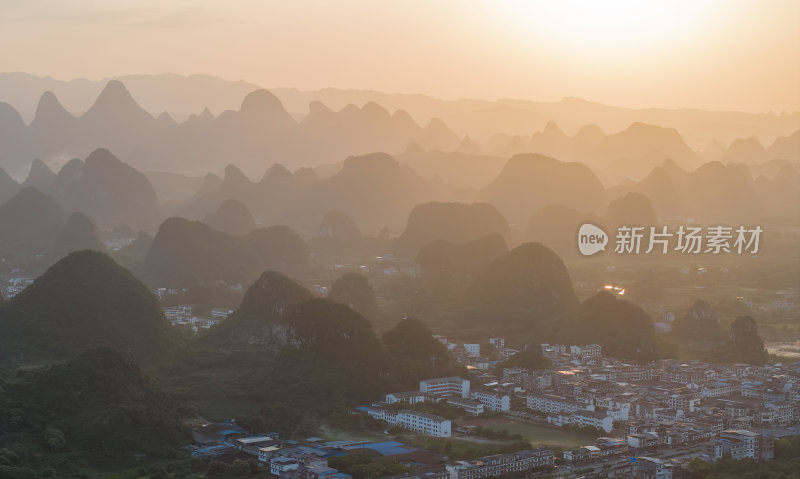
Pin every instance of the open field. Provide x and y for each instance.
(537, 434)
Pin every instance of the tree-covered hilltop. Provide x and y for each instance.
(417, 353)
(355, 291)
(698, 325)
(85, 300)
(530, 358)
(531, 276)
(744, 345)
(78, 234)
(264, 316)
(623, 329)
(187, 252)
(448, 268)
(97, 403)
(456, 222)
(334, 360)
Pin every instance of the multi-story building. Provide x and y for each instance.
(410, 397)
(451, 386)
(549, 403)
(429, 424)
(472, 349)
(280, 464)
(654, 468)
(470, 406)
(495, 402)
(497, 465)
(739, 444)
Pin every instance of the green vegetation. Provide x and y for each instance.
(361, 466)
(85, 300)
(745, 345)
(417, 353)
(97, 404)
(531, 359)
(355, 291)
(623, 329)
(553, 437)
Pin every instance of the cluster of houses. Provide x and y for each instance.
(454, 391)
(469, 354)
(14, 286)
(183, 316)
(719, 409)
(309, 459)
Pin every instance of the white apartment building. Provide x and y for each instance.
(552, 404)
(470, 406)
(429, 424)
(281, 464)
(473, 349)
(452, 386)
(411, 397)
(492, 401)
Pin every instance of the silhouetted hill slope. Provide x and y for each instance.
(232, 217)
(355, 291)
(698, 324)
(455, 222)
(460, 261)
(40, 176)
(174, 187)
(184, 252)
(529, 182)
(529, 276)
(633, 209)
(279, 248)
(108, 190)
(338, 226)
(102, 404)
(265, 313)
(746, 150)
(461, 169)
(556, 226)
(787, 147)
(744, 346)
(335, 353)
(29, 222)
(85, 300)
(781, 195)
(418, 354)
(80, 233)
(8, 186)
(53, 130)
(392, 191)
(13, 137)
(717, 192)
(641, 140)
(116, 117)
(623, 329)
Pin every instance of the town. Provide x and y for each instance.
(648, 420)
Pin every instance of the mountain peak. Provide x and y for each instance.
(40, 175)
(235, 177)
(50, 109)
(551, 128)
(115, 101)
(260, 100)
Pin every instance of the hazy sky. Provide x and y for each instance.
(711, 54)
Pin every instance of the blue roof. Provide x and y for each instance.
(387, 448)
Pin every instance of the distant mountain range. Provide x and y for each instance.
(191, 124)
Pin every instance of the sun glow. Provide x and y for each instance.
(611, 25)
